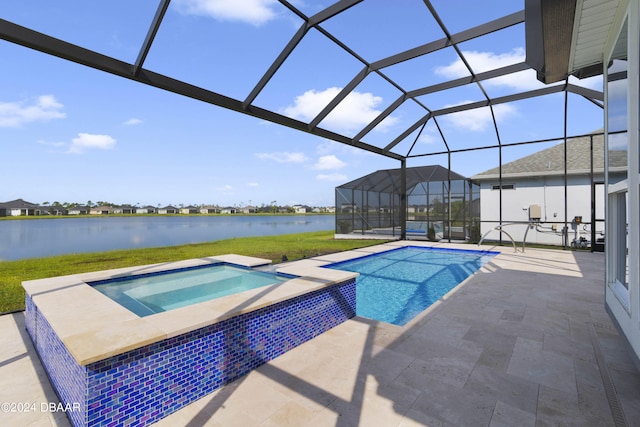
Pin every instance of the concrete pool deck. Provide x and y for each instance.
(525, 341)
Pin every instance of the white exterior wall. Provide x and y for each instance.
(548, 192)
(623, 302)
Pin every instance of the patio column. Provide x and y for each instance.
(449, 193)
(403, 199)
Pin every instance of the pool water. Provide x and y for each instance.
(397, 285)
(157, 292)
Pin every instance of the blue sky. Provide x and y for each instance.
(69, 133)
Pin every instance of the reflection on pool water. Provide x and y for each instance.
(397, 285)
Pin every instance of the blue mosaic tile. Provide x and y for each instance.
(146, 384)
(66, 376)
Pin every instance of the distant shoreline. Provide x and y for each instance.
(156, 215)
(48, 236)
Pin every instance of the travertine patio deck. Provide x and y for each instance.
(525, 341)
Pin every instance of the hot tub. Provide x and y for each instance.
(111, 365)
(151, 293)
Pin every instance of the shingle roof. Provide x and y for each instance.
(18, 204)
(551, 160)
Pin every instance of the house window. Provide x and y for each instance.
(504, 187)
(618, 203)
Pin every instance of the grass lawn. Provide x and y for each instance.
(294, 246)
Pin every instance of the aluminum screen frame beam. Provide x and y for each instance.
(309, 23)
(466, 35)
(451, 40)
(436, 88)
(43, 43)
(485, 75)
(62, 49)
(473, 105)
(151, 35)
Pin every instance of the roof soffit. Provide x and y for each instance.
(593, 25)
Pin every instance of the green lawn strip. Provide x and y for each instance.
(294, 246)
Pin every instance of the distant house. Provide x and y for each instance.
(417, 209)
(209, 209)
(168, 210)
(78, 210)
(348, 208)
(248, 209)
(533, 191)
(124, 209)
(323, 209)
(300, 209)
(53, 210)
(101, 210)
(19, 207)
(146, 210)
(228, 210)
(188, 210)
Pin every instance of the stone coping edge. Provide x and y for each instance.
(93, 327)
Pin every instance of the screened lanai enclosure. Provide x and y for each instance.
(419, 83)
(440, 204)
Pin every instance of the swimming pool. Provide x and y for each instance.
(396, 285)
(120, 368)
(153, 293)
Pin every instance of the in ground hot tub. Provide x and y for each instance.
(115, 366)
(150, 293)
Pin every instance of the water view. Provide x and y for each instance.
(21, 239)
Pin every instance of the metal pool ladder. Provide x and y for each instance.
(500, 228)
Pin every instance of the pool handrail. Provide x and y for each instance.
(500, 228)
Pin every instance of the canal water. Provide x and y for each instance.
(36, 238)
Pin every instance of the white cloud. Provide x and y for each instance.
(329, 162)
(353, 113)
(479, 119)
(252, 184)
(16, 114)
(481, 61)
(132, 121)
(225, 189)
(427, 138)
(618, 142)
(51, 144)
(327, 147)
(332, 177)
(485, 61)
(283, 157)
(523, 80)
(85, 141)
(254, 12)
